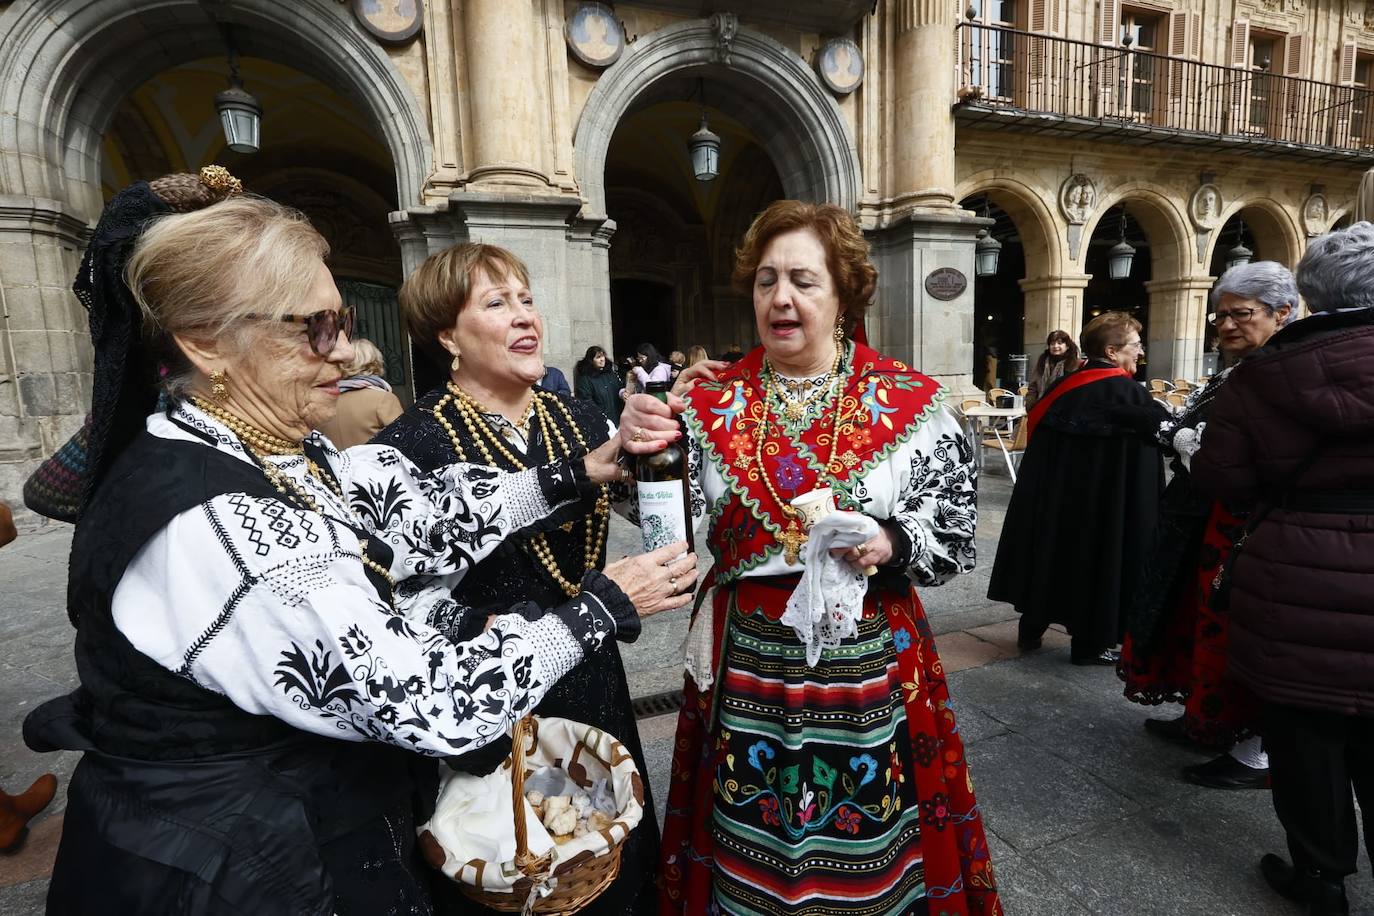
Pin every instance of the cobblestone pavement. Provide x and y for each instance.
(1086, 813)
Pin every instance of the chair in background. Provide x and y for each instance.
(1160, 396)
(1182, 384)
(966, 403)
(1176, 398)
(995, 393)
(1023, 390)
(1012, 446)
(1159, 385)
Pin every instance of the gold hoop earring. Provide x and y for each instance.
(453, 366)
(219, 387)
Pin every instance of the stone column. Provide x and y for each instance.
(907, 322)
(1178, 316)
(45, 350)
(503, 94)
(923, 90)
(1052, 304)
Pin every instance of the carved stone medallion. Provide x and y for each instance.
(1315, 215)
(1077, 198)
(1204, 207)
(594, 35)
(391, 21)
(840, 65)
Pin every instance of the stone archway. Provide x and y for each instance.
(1276, 234)
(1053, 295)
(771, 89)
(65, 65)
(1177, 292)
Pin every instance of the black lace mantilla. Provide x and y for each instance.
(122, 392)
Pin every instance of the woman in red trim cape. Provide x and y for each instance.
(819, 777)
(1081, 517)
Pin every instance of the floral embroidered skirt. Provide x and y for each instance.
(836, 789)
(1187, 663)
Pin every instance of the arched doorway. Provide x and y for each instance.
(677, 233)
(1127, 293)
(65, 68)
(782, 136)
(319, 154)
(999, 304)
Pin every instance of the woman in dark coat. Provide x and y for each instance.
(472, 303)
(1060, 357)
(1293, 435)
(595, 381)
(1175, 648)
(1083, 510)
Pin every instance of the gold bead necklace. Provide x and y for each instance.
(473, 415)
(793, 538)
(260, 445)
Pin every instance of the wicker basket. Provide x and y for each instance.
(576, 880)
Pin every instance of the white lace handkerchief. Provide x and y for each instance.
(830, 597)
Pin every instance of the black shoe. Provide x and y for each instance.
(1324, 896)
(1169, 729)
(1105, 657)
(1029, 644)
(1226, 772)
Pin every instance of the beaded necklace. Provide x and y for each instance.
(474, 418)
(793, 538)
(258, 444)
(793, 409)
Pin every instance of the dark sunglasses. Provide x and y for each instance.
(322, 328)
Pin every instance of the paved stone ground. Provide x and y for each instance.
(1086, 812)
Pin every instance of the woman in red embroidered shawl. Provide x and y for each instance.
(838, 785)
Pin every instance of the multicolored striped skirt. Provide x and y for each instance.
(843, 788)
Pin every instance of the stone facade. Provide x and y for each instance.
(497, 132)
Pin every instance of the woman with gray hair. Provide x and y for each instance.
(1175, 645)
(1292, 436)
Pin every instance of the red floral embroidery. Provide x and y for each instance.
(847, 819)
(768, 808)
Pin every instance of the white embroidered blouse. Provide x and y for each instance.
(270, 605)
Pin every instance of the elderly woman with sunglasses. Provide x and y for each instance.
(264, 663)
(1176, 641)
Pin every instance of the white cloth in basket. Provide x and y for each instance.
(463, 824)
(473, 819)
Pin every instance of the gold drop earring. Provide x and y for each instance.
(219, 387)
(839, 331)
(453, 366)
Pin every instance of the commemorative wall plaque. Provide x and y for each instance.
(946, 283)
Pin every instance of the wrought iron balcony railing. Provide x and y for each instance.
(1060, 84)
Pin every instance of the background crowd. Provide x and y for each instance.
(1240, 590)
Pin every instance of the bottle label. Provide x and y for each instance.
(662, 513)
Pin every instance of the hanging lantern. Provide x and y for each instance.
(241, 117)
(1119, 260)
(987, 250)
(705, 149)
(239, 112)
(1239, 256)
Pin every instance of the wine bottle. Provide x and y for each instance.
(665, 513)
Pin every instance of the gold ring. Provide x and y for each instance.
(672, 580)
(624, 473)
(863, 549)
(639, 435)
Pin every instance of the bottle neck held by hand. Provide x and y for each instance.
(664, 488)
